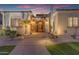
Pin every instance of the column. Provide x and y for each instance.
(7, 20)
(3, 21)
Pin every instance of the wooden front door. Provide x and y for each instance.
(33, 26)
(40, 26)
(37, 26)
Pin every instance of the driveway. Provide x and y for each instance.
(32, 45)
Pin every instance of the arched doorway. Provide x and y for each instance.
(37, 26)
(40, 26)
(33, 26)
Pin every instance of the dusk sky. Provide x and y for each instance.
(36, 8)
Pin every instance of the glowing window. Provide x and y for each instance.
(75, 21)
(70, 21)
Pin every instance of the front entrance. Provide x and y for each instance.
(40, 26)
(37, 26)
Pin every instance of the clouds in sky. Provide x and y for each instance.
(61, 6)
(24, 6)
(40, 10)
(35, 8)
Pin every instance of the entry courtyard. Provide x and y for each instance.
(39, 44)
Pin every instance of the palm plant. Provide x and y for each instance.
(24, 23)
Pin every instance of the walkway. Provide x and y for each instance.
(32, 45)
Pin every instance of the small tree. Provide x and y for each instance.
(25, 22)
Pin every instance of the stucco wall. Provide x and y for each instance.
(47, 25)
(16, 16)
(63, 22)
(55, 23)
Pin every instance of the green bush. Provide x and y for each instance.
(53, 36)
(11, 33)
(73, 36)
(2, 33)
(18, 34)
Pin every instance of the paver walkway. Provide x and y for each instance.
(35, 44)
(31, 45)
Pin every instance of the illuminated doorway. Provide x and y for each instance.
(37, 26)
(40, 26)
(33, 26)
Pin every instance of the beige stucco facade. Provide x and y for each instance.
(59, 19)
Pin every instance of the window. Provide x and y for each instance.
(70, 21)
(73, 22)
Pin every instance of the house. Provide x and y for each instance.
(13, 20)
(57, 22)
(64, 21)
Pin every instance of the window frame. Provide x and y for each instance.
(73, 26)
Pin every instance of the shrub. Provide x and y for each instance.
(53, 36)
(11, 33)
(18, 34)
(2, 33)
(73, 36)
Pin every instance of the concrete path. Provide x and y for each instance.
(32, 45)
(9, 41)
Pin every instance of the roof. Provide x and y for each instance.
(15, 11)
(67, 9)
(42, 15)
